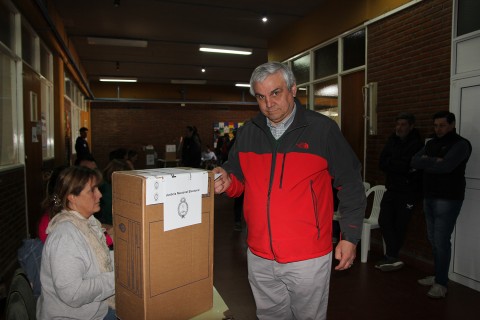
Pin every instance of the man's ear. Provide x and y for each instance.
(294, 90)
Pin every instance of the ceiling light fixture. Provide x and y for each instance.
(203, 70)
(246, 85)
(264, 18)
(223, 49)
(113, 79)
(117, 42)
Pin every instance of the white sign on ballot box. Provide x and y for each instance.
(180, 190)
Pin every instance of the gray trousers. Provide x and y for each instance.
(296, 290)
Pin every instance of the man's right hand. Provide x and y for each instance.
(223, 181)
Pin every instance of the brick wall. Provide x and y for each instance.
(409, 58)
(133, 125)
(12, 217)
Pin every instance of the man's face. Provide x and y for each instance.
(442, 127)
(83, 134)
(403, 128)
(274, 99)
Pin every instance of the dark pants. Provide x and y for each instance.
(395, 212)
(441, 216)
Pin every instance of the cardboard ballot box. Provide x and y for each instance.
(163, 221)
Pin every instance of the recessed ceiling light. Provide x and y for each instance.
(223, 49)
(110, 79)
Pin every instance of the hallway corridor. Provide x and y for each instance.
(360, 293)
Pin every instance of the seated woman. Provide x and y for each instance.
(77, 271)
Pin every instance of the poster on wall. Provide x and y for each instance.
(220, 128)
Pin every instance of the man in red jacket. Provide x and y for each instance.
(283, 161)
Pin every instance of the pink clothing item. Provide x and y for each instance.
(42, 226)
(42, 230)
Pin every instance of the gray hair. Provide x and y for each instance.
(263, 71)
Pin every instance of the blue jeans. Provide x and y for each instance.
(110, 315)
(441, 216)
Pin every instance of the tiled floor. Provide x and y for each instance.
(362, 292)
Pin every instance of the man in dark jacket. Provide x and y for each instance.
(283, 161)
(443, 160)
(403, 186)
(81, 144)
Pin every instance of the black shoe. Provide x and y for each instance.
(389, 264)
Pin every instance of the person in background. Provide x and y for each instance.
(104, 215)
(226, 145)
(120, 153)
(132, 157)
(403, 184)
(209, 158)
(77, 271)
(443, 161)
(283, 161)
(86, 161)
(218, 146)
(81, 144)
(191, 148)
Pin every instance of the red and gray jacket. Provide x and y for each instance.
(287, 185)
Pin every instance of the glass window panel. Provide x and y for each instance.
(302, 95)
(467, 18)
(326, 60)
(6, 25)
(326, 98)
(301, 68)
(46, 63)
(354, 50)
(8, 151)
(28, 46)
(47, 120)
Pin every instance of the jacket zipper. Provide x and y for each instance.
(315, 210)
(270, 183)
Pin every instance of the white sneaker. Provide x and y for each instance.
(437, 291)
(427, 281)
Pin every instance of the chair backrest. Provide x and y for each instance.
(21, 304)
(366, 185)
(378, 192)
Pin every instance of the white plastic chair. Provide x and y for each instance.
(372, 221)
(366, 185)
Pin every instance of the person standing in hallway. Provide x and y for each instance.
(403, 184)
(283, 161)
(81, 144)
(191, 148)
(443, 161)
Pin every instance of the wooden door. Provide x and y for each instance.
(33, 147)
